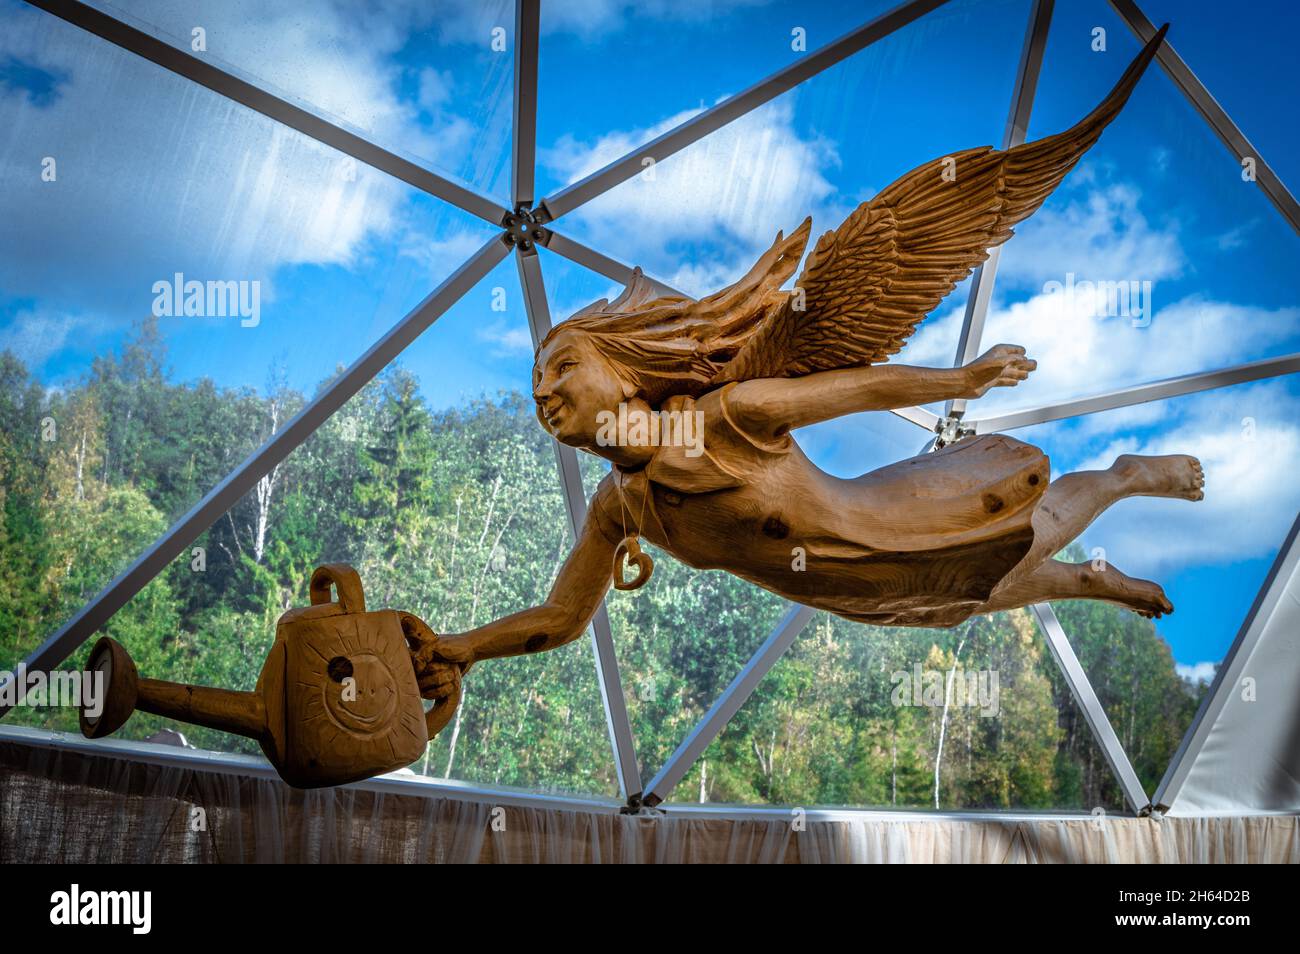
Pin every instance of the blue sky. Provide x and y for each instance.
(156, 176)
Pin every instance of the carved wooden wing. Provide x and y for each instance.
(868, 284)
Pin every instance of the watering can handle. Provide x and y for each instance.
(436, 719)
(343, 578)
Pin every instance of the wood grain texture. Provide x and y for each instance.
(929, 541)
(337, 699)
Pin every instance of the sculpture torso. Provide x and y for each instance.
(921, 543)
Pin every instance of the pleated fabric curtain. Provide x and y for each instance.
(59, 805)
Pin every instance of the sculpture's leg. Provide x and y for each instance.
(1068, 506)
(1054, 580)
(1075, 500)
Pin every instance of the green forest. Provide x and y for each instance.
(456, 515)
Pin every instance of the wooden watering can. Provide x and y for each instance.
(336, 701)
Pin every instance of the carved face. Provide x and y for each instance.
(368, 704)
(572, 384)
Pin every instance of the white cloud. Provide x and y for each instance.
(1248, 441)
(440, 256)
(34, 336)
(1081, 345)
(735, 188)
(435, 88)
(470, 20)
(506, 341)
(339, 56)
(1235, 237)
(157, 175)
(1197, 672)
(1103, 236)
(565, 302)
(706, 275)
(1080, 354)
(1097, 237)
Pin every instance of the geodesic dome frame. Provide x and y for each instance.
(1211, 748)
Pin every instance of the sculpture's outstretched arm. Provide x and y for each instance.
(770, 406)
(578, 590)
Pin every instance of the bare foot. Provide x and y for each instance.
(1175, 475)
(1146, 598)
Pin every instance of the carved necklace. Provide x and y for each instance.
(629, 548)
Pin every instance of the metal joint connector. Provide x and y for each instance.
(950, 430)
(523, 230)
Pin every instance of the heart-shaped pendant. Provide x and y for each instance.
(629, 551)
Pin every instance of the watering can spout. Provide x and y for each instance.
(243, 713)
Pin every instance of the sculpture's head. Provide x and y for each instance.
(645, 347)
(573, 382)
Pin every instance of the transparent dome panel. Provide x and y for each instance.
(850, 446)
(1216, 56)
(1209, 557)
(614, 77)
(700, 218)
(432, 82)
(1157, 257)
(974, 717)
(172, 264)
(442, 493)
(680, 640)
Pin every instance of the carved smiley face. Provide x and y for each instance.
(361, 694)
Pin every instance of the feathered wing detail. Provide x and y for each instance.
(868, 284)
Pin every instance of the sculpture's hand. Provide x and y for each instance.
(439, 661)
(1002, 366)
(439, 680)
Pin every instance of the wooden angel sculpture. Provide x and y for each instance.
(971, 528)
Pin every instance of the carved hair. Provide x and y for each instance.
(666, 345)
